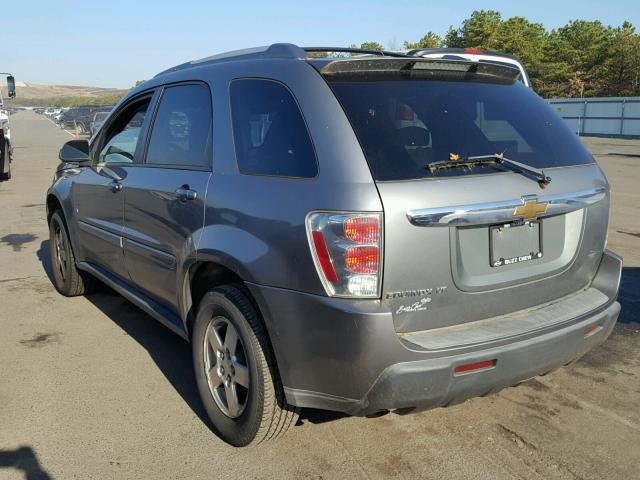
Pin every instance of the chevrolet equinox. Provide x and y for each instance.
(361, 232)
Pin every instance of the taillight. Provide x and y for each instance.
(347, 251)
(362, 229)
(474, 51)
(323, 257)
(363, 259)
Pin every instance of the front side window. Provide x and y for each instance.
(124, 134)
(181, 133)
(270, 135)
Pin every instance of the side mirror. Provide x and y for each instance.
(11, 86)
(74, 151)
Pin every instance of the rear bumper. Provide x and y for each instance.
(345, 355)
(428, 383)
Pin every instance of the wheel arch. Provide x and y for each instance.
(58, 199)
(211, 271)
(53, 203)
(203, 274)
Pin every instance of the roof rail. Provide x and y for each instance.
(276, 50)
(364, 51)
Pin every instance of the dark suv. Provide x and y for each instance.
(362, 234)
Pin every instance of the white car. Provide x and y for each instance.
(4, 119)
(4, 123)
(475, 55)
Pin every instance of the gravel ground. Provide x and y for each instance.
(91, 387)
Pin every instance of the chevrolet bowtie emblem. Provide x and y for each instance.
(454, 157)
(530, 209)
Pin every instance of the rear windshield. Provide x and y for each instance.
(403, 125)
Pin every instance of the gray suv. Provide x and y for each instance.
(362, 232)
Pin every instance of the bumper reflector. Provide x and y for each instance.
(474, 367)
(592, 330)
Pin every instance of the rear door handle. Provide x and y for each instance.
(184, 193)
(116, 187)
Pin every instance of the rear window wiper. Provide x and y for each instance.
(456, 161)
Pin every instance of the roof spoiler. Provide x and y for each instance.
(418, 52)
(423, 68)
(406, 61)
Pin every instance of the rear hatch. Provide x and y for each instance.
(465, 244)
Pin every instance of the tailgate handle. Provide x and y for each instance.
(528, 207)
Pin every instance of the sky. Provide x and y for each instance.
(114, 43)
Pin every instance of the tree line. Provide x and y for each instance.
(580, 59)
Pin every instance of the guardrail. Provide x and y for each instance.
(601, 116)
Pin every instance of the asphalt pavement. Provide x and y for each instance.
(91, 387)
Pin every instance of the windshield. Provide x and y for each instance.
(403, 125)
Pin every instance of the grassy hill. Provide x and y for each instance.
(28, 94)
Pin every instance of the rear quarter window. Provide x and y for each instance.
(270, 134)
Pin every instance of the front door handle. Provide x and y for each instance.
(184, 193)
(116, 187)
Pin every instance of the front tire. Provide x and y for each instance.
(67, 279)
(236, 372)
(6, 176)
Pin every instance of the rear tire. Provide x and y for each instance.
(257, 411)
(67, 279)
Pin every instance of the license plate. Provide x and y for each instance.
(514, 243)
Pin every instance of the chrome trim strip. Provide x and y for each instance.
(502, 211)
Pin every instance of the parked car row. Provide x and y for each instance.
(11, 110)
(85, 119)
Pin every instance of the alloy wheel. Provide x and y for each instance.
(226, 367)
(61, 253)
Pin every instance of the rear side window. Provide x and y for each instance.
(403, 125)
(182, 128)
(270, 135)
